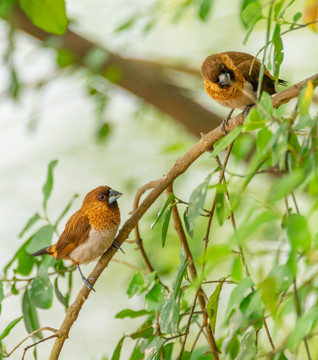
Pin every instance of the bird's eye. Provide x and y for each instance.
(102, 197)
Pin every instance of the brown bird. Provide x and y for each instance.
(231, 79)
(90, 231)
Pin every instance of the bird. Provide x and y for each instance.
(232, 78)
(90, 231)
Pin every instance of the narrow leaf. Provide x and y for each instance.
(212, 306)
(163, 209)
(48, 186)
(30, 315)
(117, 351)
(153, 349)
(226, 141)
(298, 233)
(9, 327)
(165, 225)
(131, 313)
(30, 222)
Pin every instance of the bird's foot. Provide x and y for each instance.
(117, 246)
(247, 110)
(85, 280)
(225, 122)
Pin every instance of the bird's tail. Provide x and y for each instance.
(45, 251)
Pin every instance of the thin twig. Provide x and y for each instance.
(35, 344)
(46, 328)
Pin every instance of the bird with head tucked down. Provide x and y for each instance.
(232, 78)
(90, 231)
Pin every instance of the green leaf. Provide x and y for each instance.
(5, 8)
(253, 121)
(65, 210)
(47, 187)
(169, 314)
(30, 315)
(304, 102)
(243, 146)
(62, 299)
(251, 308)
(41, 239)
(286, 184)
(265, 106)
(30, 222)
(131, 313)
(250, 11)
(153, 349)
(65, 57)
(49, 15)
(127, 24)
(165, 225)
(163, 209)
(220, 205)
(9, 327)
(155, 298)
(213, 304)
(103, 131)
(248, 347)
(41, 292)
(303, 328)
(269, 294)
(1, 291)
(205, 8)
(238, 294)
(280, 356)
(278, 54)
(196, 203)
(136, 284)
(297, 16)
(283, 277)
(298, 233)
(116, 353)
(223, 143)
(277, 8)
(136, 354)
(168, 351)
(262, 142)
(145, 331)
(237, 269)
(181, 272)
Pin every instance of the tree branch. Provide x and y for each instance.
(144, 79)
(180, 166)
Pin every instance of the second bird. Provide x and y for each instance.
(90, 231)
(232, 78)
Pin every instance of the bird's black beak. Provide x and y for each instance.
(113, 196)
(225, 79)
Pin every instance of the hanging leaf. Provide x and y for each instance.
(117, 351)
(9, 327)
(47, 187)
(41, 292)
(49, 15)
(163, 209)
(165, 225)
(213, 304)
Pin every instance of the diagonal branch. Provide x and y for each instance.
(144, 79)
(180, 166)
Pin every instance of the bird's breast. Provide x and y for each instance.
(97, 243)
(232, 97)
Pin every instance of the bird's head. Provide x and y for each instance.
(103, 197)
(219, 69)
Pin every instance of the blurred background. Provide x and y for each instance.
(103, 134)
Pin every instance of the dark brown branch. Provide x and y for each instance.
(142, 78)
(180, 166)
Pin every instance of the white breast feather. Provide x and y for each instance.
(96, 244)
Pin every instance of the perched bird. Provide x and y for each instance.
(231, 79)
(89, 231)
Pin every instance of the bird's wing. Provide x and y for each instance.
(76, 232)
(250, 70)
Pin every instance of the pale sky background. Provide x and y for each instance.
(132, 156)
